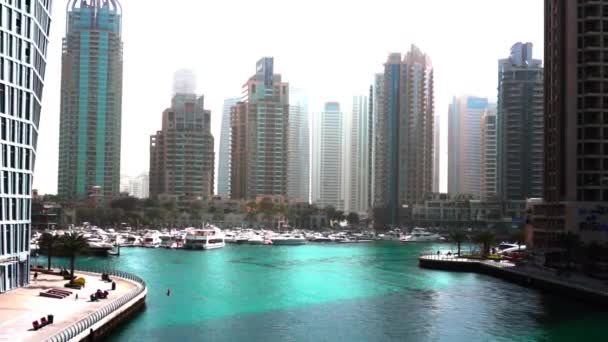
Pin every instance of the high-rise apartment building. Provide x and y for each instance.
(223, 170)
(379, 171)
(91, 100)
(328, 157)
(181, 153)
(136, 186)
(23, 49)
(576, 123)
(356, 191)
(489, 151)
(437, 154)
(298, 155)
(260, 129)
(404, 138)
(464, 145)
(521, 126)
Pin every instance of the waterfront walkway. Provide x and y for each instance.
(20, 307)
(526, 274)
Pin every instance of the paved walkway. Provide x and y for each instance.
(20, 307)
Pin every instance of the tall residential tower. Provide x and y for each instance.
(520, 125)
(298, 156)
(328, 157)
(576, 123)
(91, 100)
(223, 170)
(181, 154)
(404, 137)
(23, 49)
(359, 157)
(260, 129)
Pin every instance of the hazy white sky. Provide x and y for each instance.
(331, 48)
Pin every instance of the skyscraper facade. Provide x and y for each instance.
(181, 154)
(521, 126)
(436, 154)
(260, 129)
(576, 121)
(404, 138)
(329, 157)
(489, 151)
(359, 157)
(298, 155)
(91, 100)
(23, 52)
(464, 145)
(223, 177)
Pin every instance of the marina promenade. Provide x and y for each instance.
(568, 283)
(74, 317)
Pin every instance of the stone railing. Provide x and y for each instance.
(89, 321)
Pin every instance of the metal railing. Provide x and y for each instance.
(87, 322)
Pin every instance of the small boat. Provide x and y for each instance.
(289, 240)
(421, 235)
(256, 240)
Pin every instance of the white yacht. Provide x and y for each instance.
(97, 246)
(165, 240)
(209, 238)
(289, 239)
(256, 240)
(508, 247)
(151, 240)
(230, 237)
(421, 235)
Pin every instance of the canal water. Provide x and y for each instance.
(336, 292)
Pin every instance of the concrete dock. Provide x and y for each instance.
(73, 317)
(541, 278)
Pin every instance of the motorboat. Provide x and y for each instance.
(508, 247)
(421, 235)
(98, 247)
(208, 238)
(151, 240)
(289, 240)
(256, 240)
(230, 237)
(165, 240)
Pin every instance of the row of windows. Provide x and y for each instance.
(14, 238)
(15, 131)
(14, 209)
(17, 157)
(15, 47)
(15, 73)
(19, 103)
(15, 183)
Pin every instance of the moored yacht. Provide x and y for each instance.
(151, 240)
(421, 235)
(289, 240)
(209, 238)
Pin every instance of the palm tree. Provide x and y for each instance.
(485, 239)
(458, 236)
(47, 244)
(72, 245)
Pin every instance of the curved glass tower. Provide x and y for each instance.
(24, 32)
(91, 100)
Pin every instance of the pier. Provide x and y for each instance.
(74, 318)
(537, 277)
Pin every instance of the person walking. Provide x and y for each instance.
(168, 292)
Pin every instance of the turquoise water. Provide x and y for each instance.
(317, 292)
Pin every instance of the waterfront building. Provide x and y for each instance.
(437, 154)
(260, 129)
(223, 170)
(23, 54)
(91, 100)
(576, 121)
(404, 138)
(489, 152)
(464, 145)
(328, 157)
(379, 179)
(181, 153)
(520, 122)
(357, 173)
(298, 155)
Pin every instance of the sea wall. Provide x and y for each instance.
(521, 277)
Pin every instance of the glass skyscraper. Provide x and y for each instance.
(223, 170)
(91, 100)
(298, 154)
(23, 48)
